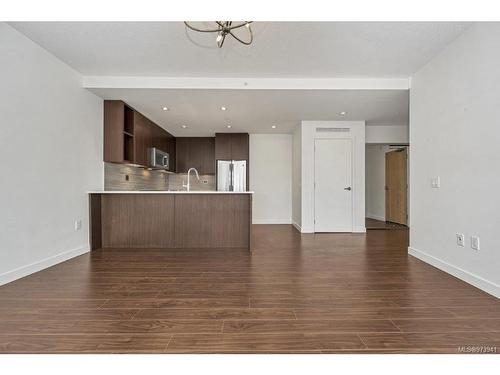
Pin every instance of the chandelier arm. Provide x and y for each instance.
(242, 41)
(223, 29)
(220, 24)
(239, 25)
(201, 30)
(223, 40)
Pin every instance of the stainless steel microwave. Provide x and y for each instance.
(158, 159)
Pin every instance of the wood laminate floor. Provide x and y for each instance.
(383, 225)
(324, 293)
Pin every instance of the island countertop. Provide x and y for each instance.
(167, 192)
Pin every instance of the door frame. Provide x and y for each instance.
(352, 180)
(404, 149)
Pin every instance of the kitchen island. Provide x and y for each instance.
(170, 219)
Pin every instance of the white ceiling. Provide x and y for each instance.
(280, 49)
(286, 50)
(255, 111)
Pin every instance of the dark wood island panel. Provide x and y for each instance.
(137, 220)
(212, 220)
(124, 220)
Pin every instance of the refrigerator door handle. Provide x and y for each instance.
(231, 176)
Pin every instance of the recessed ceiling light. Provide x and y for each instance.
(165, 108)
(343, 113)
(228, 126)
(184, 126)
(223, 108)
(273, 126)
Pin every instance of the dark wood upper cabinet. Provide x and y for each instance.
(223, 146)
(182, 155)
(114, 119)
(143, 139)
(240, 146)
(171, 149)
(128, 135)
(231, 146)
(195, 152)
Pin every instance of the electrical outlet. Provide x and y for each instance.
(205, 182)
(460, 239)
(474, 242)
(78, 224)
(435, 182)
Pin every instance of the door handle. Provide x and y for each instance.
(348, 188)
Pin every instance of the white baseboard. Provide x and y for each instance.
(483, 284)
(359, 230)
(297, 226)
(271, 221)
(23, 271)
(375, 217)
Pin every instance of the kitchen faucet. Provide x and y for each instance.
(188, 186)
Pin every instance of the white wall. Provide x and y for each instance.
(51, 148)
(455, 134)
(309, 134)
(375, 181)
(395, 134)
(297, 178)
(271, 178)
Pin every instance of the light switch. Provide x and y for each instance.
(435, 182)
(78, 224)
(474, 242)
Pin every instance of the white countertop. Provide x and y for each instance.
(166, 192)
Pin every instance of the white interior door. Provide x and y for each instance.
(333, 185)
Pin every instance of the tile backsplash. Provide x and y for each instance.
(175, 181)
(126, 177)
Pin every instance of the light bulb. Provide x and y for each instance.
(219, 38)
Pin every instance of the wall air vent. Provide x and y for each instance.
(333, 130)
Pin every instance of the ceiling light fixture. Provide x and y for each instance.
(165, 108)
(343, 113)
(274, 126)
(223, 108)
(229, 126)
(224, 28)
(184, 126)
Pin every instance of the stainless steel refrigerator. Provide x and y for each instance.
(231, 175)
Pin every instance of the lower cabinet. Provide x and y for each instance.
(137, 220)
(170, 220)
